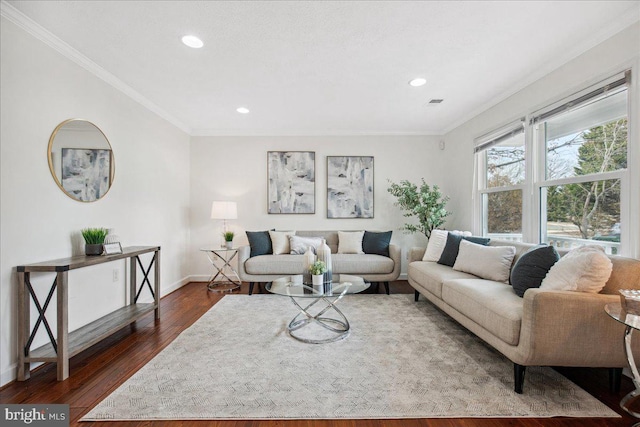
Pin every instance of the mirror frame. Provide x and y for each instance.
(58, 181)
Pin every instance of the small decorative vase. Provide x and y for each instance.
(317, 281)
(229, 244)
(324, 254)
(91, 250)
(308, 259)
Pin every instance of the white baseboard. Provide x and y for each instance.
(175, 286)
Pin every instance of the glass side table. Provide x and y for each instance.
(631, 322)
(224, 278)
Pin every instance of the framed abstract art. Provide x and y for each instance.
(349, 186)
(291, 182)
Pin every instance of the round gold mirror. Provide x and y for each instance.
(81, 160)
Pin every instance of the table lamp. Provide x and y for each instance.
(224, 211)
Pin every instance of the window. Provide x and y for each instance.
(577, 188)
(502, 156)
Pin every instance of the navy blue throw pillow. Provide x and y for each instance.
(450, 252)
(376, 243)
(260, 243)
(532, 267)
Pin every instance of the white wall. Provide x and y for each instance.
(147, 205)
(235, 168)
(613, 55)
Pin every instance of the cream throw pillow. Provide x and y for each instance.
(280, 241)
(350, 242)
(584, 269)
(488, 262)
(437, 242)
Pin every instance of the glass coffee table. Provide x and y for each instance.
(316, 305)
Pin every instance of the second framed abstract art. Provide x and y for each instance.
(349, 186)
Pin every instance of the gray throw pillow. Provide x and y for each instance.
(532, 267)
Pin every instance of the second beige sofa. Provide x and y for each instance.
(545, 328)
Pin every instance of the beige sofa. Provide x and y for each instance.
(545, 328)
(372, 268)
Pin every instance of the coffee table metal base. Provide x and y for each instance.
(338, 327)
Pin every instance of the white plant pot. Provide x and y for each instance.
(228, 245)
(316, 281)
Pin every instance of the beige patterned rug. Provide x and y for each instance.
(402, 360)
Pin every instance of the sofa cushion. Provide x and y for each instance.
(492, 305)
(361, 264)
(260, 243)
(376, 243)
(584, 269)
(450, 252)
(431, 275)
(487, 262)
(350, 242)
(341, 264)
(275, 264)
(532, 267)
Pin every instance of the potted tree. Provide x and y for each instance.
(426, 203)
(94, 240)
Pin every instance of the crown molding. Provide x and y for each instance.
(623, 22)
(218, 132)
(30, 26)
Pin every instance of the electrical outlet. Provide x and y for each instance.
(116, 275)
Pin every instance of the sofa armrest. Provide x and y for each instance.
(568, 328)
(395, 253)
(416, 254)
(244, 253)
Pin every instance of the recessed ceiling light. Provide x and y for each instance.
(192, 41)
(242, 110)
(418, 82)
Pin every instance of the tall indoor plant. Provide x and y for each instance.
(425, 203)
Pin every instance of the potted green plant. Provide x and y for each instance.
(228, 238)
(317, 270)
(426, 203)
(94, 240)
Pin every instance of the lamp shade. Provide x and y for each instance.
(224, 210)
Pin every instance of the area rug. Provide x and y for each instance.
(401, 360)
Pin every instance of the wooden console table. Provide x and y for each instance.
(66, 345)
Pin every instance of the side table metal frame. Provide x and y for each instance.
(231, 283)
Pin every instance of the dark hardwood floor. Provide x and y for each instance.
(99, 370)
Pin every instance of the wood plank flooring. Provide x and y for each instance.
(99, 370)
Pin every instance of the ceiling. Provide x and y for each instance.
(323, 68)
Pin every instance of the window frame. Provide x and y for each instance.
(533, 208)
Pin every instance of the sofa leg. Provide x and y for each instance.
(615, 377)
(251, 287)
(386, 287)
(416, 296)
(518, 377)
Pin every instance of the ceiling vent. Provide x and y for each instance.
(436, 101)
